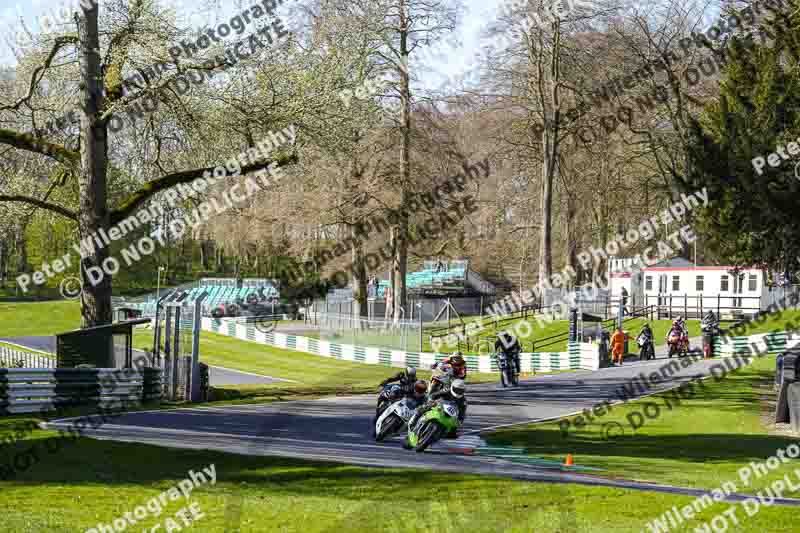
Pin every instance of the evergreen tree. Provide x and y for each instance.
(754, 217)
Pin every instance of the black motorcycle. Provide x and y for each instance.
(646, 349)
(508, 369)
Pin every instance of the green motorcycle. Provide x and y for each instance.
(433, 425)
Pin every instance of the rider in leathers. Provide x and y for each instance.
(507, 344)
(454, 394)
(406, 379)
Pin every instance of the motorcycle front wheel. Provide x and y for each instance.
(504, 378)
(390, 425)
(428, 434)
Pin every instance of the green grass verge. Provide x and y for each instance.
(700, 442)
(313, 375)
(537, 340)
(788, 320)
(73, 486)
(38, 318)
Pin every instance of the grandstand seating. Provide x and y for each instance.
(454, 276)
(219, 292)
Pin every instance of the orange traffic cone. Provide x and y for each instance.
(568, 462)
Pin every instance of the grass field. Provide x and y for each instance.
(700, 442)
(39, 318)
(538, 339)
(310, 375)
(784, 321)
(73, 486)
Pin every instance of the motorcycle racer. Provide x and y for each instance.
(508, 345)
(406, 378)
(455, 394)
(457, 362)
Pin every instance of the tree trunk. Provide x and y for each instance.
(399, 231)
(21, 246)
(359, 279)
(546, 234)
(572, 241)
(93, 215)
(205, 253)
(551, 104)
(3, 259)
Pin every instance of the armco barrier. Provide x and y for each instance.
(36, 390)
(580, 356)
(763, 343)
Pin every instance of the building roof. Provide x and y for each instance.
(679, 263)
(675, 262)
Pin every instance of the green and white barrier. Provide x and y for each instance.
(763, 343)
(580, 356)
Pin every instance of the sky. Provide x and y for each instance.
(477, 15)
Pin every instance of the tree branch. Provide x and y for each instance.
(171, 180)
(63, 211)
(26, 141)
(38, 74)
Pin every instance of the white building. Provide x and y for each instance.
(685, 289)
(625, 273)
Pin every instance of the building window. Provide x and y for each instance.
(676, 283)
(648, 283)
(699, 283)
(723, 284)
(752, 283)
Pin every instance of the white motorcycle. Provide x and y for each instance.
(394, 418)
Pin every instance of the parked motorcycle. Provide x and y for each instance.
(646, 349)
(508, 370)
(394, 418)
(433, 425)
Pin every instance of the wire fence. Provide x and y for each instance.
(359, 331)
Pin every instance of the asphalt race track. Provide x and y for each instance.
(339, 429)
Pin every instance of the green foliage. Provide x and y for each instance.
(752, 219)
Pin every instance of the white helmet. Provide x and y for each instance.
(457, 388)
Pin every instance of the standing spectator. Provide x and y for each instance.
(439, 265)
(618, 346)
(389, 303)
(625, 301)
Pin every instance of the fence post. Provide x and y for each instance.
(718, 300)
(686, 305)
